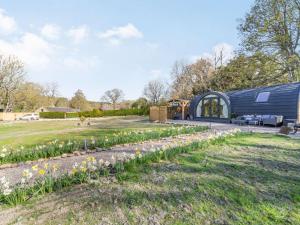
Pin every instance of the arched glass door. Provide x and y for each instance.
(212, 106)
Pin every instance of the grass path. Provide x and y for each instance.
(251, 179)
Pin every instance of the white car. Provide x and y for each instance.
(31, 116)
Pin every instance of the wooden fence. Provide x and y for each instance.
(158, 113)
(11, 116)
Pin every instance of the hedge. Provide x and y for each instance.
(94, 113)
(52, 115)
(124, 112)
(72, 115)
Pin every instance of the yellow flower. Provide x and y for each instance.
(137, 151)
(46, 165)
(42, 172)
(35, 167)
(83, 169)
(74, 170)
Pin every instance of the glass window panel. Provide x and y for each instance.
(263, 97)
(223, 109)
(199, 109)
(214, 107)
(206, 108)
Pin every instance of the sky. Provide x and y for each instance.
(98, 45)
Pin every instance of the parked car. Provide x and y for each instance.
(31, 116)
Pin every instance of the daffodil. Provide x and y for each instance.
(35, 167)
(42, 172)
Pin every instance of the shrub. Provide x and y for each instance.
(93, 113)
(72, 115)
(125, 112)
(285, 130)
(52, 115)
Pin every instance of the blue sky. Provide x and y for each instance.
(99, 45)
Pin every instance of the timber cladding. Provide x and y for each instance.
(158, 113)
(10, 116)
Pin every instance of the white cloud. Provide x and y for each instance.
(78, 34)
(7, 24)
(51, 31)
(116, 34)
(32, 49)
(222, 50)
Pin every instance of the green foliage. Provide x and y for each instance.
(72, 115)
(79, 101)
(125, 112)
(272, 27)
(93, 113)
(52, 115)
(247, 72)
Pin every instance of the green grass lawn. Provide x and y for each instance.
(37, 132)
(249, 179)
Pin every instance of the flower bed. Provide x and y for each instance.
(58, 148)
(49, 179)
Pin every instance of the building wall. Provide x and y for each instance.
(283, 101)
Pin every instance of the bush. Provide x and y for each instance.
(93, 113)
(285, 130)
(72, 115)
(125, 112)
(52, 115)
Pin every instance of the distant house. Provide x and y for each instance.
(57, 109)
(283, 100)
(109, 106)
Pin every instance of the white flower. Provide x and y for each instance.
(100, 162)
(75, 165)
(7, 191)
(23, 180)
(107, 163)
(4, 186)
(27, 174)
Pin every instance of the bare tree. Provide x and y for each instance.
(51, 90)
(113, 96)
(191, 79)
(11, 77)
(155, 90)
